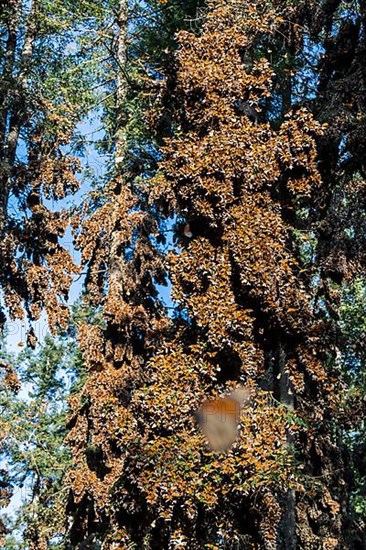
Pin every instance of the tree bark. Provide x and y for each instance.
(288, 523)
(115, 260)
(6, 88)
(122, 88)
(13, 116)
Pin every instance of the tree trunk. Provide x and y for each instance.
(122, 88)
(115, 260)
(6, 88)
(13, 114)
(287, 531)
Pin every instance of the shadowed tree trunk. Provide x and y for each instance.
(287, 527)
(7, 89)
(119, 184)
(14, 113)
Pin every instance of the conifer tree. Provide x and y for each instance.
(235, 177)
(271, 198)
(40, 107)
(117, 232)
(43, 95)
(34, 445)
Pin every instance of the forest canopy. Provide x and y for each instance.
(195, 172)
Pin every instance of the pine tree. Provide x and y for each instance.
(40, 107)
(242, 171)
(34, 446)
(234, 177)
(36, 425)
(44, 94)
(117, 236)
(258, 186)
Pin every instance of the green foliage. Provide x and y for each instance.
(274, 263)
(353, 330)
(34, 447)
(353, 326)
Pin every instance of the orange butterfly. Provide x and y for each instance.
(219, 418)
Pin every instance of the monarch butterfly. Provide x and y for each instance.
(219, 418)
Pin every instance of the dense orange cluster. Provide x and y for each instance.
(233, 177)
(246, 317)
